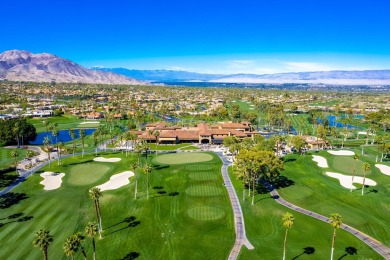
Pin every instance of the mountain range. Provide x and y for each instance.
(366, 77)
(16, 65)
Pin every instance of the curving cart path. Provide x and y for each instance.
(371, 242)
(239, 224)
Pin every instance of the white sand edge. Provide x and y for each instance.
(341, 152)
(321, 161)
(102, 159)
(346, 180)
(383, 168)
(51, 180)
(84, 123)
(116, 181)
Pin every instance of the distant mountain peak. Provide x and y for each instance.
(20, 65)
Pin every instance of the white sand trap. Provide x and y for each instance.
(102, 159)
(384, 168)
(341, 152)
(116, 181)
(321, 161)
(51, 180)
(90, 122)
(346, 180)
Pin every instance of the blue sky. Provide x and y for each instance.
(243, 36)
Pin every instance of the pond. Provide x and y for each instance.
(63, 135)
(335, 121)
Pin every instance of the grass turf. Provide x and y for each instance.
(324, 195)
(84, 174)
(263, 224)
(165, 226)
(182, 158)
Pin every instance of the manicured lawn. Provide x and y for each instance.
(6, 159)
(180, 158)
(171, 147)
(325, 195)
(169, 225)
(263, 224)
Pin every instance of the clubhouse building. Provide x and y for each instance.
(202, 133)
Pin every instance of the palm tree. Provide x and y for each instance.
(147, 170)
(15, 155)
(157, 135)
(43, 238)
(366, 168)
(73, 137)
(95, 195)
(288, 221)
(82, 137)
(145, 147)
(71, 246)
(134, 166)
(79, 237)
(138, 150)
(46, 143)
(91, 230)
(335, 221)
(356, 158)
(54, 133)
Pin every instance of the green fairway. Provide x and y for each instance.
(168, 225)
(88, 173)
(263, 224)
(346, 164)
(202, 176)
(182, 158)
(206, 213)
(324, 195)
(203, 190)
(6, 159)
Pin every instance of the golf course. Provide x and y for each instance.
(187, 215)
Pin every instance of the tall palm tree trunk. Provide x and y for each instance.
(98, 218)
(364, 182)
(333, 239)
(45, 253)
(135, 192)
(284, 245)
(253, 189)
(94, 248)
(353, 176)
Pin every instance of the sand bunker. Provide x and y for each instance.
(90, 122)
(321, 161)
(51, 180)
(346, 180)
(116, 181)
(383, 168)
(341, 152)
(102, 159)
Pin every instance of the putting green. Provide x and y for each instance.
(203, 176)
(86, 173)
(181, 158)
(203, 190)
(206, 213)
(346, 164)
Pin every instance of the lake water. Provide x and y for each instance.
(335, 121)
(63, 135)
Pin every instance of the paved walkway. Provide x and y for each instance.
(371, 242)
(241, 238)
(21, 167)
